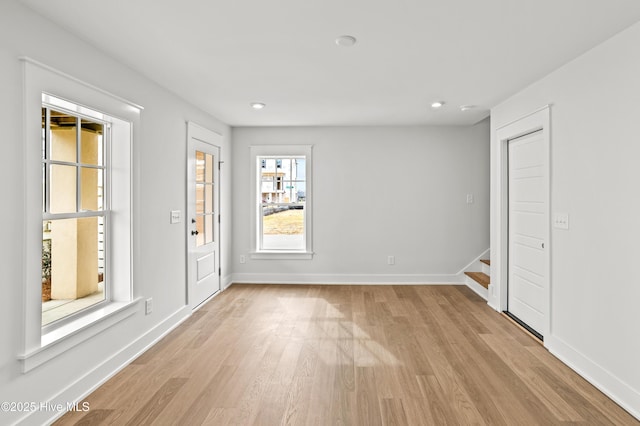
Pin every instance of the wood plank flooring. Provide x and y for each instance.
(348, 355)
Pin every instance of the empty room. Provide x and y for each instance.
(319, 213)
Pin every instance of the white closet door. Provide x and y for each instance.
(527, 227)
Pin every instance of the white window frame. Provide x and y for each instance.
(68, 93)
(280, 151)
(55, 104)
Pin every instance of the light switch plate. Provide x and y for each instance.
(176, 216)
(561, 220)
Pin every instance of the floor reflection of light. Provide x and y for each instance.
(331, 325)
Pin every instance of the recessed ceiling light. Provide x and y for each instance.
(466, 107)
(437, 104)
(346, 41)
(257, 105)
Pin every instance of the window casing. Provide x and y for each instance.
(107, 200)
(282, 199)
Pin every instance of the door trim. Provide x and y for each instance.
(498, 292)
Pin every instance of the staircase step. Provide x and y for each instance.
(480, 277)
(486, 261)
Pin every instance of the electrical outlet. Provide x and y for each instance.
(148, 306)
(243, 259)
(391, 260)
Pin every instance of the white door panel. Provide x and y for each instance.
(528, 224)
(527, 189)
(528, 154)
(527, 172)
(528, 258)
(524, 309)
(529, 276)
(528, 294)
(206, 266)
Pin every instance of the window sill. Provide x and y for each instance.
(66, 337)
(282, 255)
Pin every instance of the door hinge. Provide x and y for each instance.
(219, 272)
(220, 164)
(219, 218)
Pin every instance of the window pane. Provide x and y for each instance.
(268, 183)
(91, 188)
(62, 190)
(286, 166)
(283, 227)
(199, 198)
(292, 190)
(282, 193)
(44, 187)
(299, 169)
(209, 167)
(63, 137)
(71, 275)
(44, 132)
(208, 194)
(208, 229)
(91, 143)
(270, 164)
(200, 164)
(301, 191)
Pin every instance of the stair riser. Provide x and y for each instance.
(486, 268)
(477, 288)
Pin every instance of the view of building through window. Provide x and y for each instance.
(74, 206)
(283, 193)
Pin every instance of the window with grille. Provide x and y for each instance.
(75, 212)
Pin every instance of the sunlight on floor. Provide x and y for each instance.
(366, 351)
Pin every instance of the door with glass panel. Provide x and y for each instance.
(203, 214)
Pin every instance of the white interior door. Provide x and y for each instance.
(203, 226)
(527, 224)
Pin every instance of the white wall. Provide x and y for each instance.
(160, 247)
(595, 288)
(378, 191)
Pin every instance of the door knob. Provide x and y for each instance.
(194, 232)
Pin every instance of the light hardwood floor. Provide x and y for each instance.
(348, 355)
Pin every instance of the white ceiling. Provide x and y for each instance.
(223, 55)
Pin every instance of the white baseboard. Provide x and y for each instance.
(491, 301)
(82, 387)
(354, 279)
(227, 280)
(614, 387)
